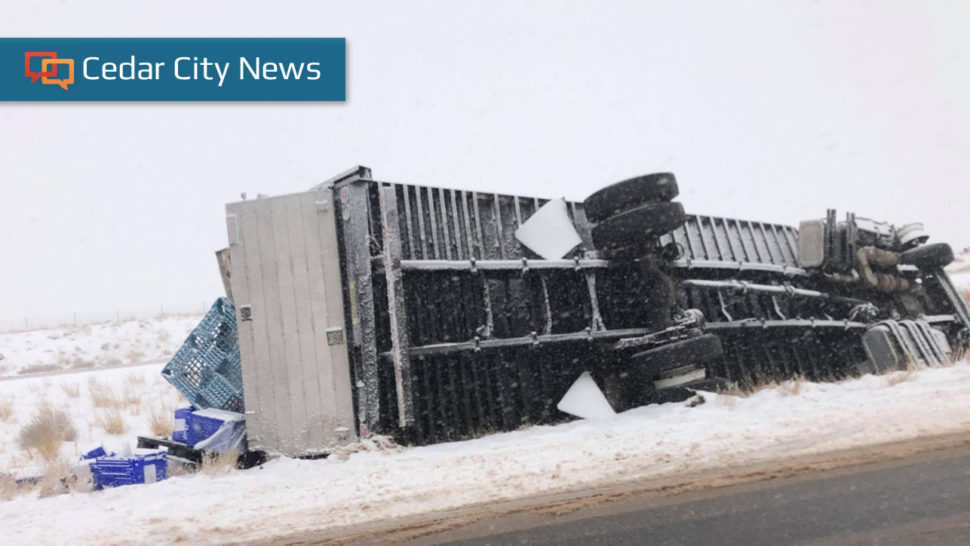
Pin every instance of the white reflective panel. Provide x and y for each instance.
(549, 232)
(584, 399)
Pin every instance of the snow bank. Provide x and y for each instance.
(287, 496)
(102, 345)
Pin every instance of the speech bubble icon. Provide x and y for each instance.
(63, 82)
(34, 76)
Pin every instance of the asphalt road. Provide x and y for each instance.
(922, 499)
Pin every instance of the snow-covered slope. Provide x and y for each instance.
(93, 401)
(95, 346)
(287, 496)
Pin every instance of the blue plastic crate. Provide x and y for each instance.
(180, 424)
(94, 453)
(215, 430)
(220, 393)
(145, 466)
(207, 369)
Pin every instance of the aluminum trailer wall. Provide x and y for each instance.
(286, 285)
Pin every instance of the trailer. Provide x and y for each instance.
(368, 307)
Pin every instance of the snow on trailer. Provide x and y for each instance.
(375, 307)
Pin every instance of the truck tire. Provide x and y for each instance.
(932, 256)
(695, 350)
(649, 188)
(638, 224)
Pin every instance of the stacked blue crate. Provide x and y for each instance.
(145, 466)
(180, 426)
(215, 431)
(207, 369)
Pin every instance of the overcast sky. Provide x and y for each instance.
(765, 110)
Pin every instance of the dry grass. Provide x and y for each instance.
(134, 355)
(727, 401)
(214, 464)
(46, 430)
(81, 363)
(6, 411)
(899, 377)
(56, 479)
(71, 390)
(133, 385)
(132, 399)
(174, 469)
(112, 361)
(8, 488)
(792, 387)
(60, 477)
(111, 421)
(103, 395)
(133, 380)
(160, 419)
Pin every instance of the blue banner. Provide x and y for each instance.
(172, 69)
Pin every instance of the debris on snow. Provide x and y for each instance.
(585, 400)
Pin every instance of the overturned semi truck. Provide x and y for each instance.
(368, 307)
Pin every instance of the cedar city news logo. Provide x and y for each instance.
(48, 68)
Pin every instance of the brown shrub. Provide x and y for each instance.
(132, 400)
(160, 420)
(56, 479)
(133, 380)
(8, 487)
(899, 377)
(103, 395)
(6, 411)
(111, 421)
(46, 430)
(71, 390)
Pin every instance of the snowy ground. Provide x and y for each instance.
(287, 496)
(103, 345)
(93, 401)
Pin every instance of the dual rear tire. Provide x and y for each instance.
(629, 213)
